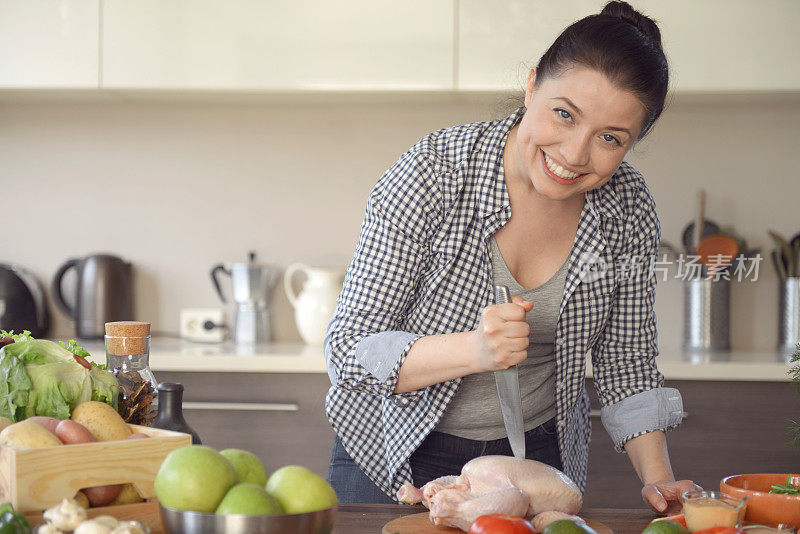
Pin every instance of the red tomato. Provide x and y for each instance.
(500, 524)
(720, 530)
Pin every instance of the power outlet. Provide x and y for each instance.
(203, 324)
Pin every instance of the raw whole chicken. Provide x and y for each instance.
(498, 484)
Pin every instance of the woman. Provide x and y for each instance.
(536, 201)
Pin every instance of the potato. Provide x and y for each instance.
(28, 435)
(4, 422)
(50, 423)
(71, 432)
(102, 495)
(128, 495)
(81, 499)
(102, 420)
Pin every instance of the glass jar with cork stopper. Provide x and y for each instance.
(128, 358)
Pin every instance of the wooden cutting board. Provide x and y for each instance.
(421, 524)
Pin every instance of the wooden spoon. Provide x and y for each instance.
(717, 251)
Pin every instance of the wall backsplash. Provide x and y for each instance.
(176, 187)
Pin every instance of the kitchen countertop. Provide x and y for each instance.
(370, 518)
(167, 354)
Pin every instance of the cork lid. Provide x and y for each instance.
(127, 329)
(127, 337)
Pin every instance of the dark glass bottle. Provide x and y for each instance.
(170, 410)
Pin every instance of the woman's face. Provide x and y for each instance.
(575, 132)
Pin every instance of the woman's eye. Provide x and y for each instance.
(611, 139)
(563, 113)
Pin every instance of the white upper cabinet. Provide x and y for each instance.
(712, 45)
(730, 45)
(49, 43)
(257, 44)
(499, 42)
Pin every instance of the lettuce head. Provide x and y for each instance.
(40, 377)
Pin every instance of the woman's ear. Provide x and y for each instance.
(531, 83)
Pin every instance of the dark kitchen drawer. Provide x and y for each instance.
(730, 428)
(279, 417)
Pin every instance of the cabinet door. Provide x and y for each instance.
(305, 44)
(729, 45)
(729, 428)
(499, 42)
(278, 417)
(49, 43)
(711, 45)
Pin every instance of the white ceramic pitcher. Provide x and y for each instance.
(314, 306)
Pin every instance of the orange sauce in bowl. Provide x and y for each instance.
(707, 513)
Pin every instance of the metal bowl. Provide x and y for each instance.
(184, 522)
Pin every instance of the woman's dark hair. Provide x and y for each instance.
(622, 44)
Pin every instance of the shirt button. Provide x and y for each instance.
(560, 342)
(560, 386)
(429, 418)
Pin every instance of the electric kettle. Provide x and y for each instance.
(102, 293)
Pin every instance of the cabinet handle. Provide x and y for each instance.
(250, 406)
(596, 413)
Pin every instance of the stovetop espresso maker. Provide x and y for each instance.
(252, 292)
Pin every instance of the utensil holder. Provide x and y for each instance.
(706, 311)
(788, 317)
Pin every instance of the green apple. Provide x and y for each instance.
(249, 499)
(194, 477)
(247, 465)
(300, 490)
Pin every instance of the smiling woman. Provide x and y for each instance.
(528, 202)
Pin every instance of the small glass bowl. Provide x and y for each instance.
(707, 509)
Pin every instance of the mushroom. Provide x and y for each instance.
(107, 520)
(65, 516)
(92, 526)
(48, 528)
(130, 527)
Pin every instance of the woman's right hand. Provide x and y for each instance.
(501, 338)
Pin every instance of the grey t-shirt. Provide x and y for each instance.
(474, 412)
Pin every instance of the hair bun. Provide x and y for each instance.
(625, 11)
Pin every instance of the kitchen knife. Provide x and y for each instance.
(507, 381)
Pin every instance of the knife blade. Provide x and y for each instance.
(507, 381)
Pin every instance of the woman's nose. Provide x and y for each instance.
(576, 151)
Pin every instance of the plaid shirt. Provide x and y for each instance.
(422, 267)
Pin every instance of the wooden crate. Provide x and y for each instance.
(36, 479)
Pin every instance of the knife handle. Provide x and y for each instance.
(501, 295)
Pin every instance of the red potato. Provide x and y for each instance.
(71, 432)
(102, 495)
(50, 423)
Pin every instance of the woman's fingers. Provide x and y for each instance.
(502, 335)
(520, 301)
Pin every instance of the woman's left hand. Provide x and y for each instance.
(664, 496)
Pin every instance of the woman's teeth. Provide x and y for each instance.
(558, 170)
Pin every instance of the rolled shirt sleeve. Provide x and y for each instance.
(627, 379)
(366, 344)
(655, 409)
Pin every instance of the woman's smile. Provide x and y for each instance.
(557, 172)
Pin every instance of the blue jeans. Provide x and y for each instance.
(439, 455)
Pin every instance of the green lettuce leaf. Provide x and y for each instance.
(105, 387)
(15, 385)
(58, 383)
(24, 336)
